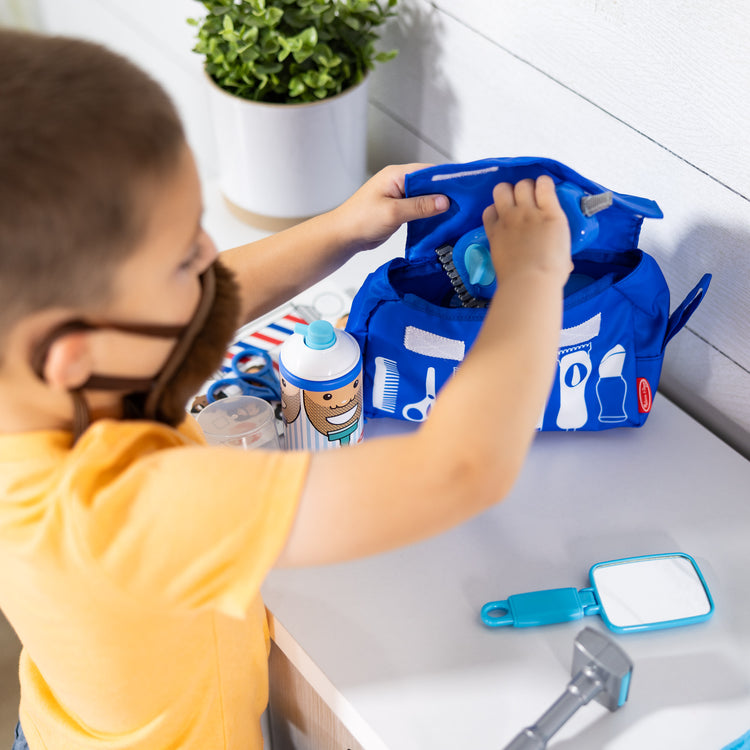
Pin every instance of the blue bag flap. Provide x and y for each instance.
(469, 187)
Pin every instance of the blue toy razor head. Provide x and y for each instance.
(581, 208)
(469, 262)
(473, 262)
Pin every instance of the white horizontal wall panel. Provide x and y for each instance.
(710, 387)
(677, 71)
(392, 142)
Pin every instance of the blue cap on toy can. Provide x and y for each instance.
(321, 387)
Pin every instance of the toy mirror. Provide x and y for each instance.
(636, 593)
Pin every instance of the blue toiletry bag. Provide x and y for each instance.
(414, 330)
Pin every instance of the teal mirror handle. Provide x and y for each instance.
(540, 608)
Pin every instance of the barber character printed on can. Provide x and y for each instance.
(291, 401)
(336, 413)
(321, 387)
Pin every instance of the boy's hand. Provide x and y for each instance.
(379, 207)
(527, 229)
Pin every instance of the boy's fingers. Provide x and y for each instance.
(540, 192)
(502, 195)
(546, 197)
(395, 174)
(489, 215)
(423, 206)
(525, 193)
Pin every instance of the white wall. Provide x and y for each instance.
(644, 97)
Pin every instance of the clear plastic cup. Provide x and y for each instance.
(241, 422)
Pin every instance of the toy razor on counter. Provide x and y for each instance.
(469, 263)
(601, 671)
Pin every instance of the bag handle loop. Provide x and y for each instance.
(688, 306)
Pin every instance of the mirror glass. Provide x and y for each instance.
(649, 592)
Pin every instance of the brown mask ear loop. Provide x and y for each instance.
(154, 386)
(39, 358)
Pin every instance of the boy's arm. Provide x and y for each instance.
(392, 491)
(276, 268)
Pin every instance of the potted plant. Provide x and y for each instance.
(288, 94)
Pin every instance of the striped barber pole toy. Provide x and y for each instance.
(268, 333)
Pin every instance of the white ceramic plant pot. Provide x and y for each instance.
(290, 161)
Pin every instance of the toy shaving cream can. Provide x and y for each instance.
(321, 387)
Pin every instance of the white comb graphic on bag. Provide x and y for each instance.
(385, 385)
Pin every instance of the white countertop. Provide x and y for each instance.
(395, 645)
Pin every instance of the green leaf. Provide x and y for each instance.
(249, 54)
(325, 57)
(250, 35)
(274, 15)
(309, 36)
(268, 69)
(296, 86)
(383, 57)
(230, 36)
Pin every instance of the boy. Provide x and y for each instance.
(133, 554)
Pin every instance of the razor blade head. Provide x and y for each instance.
(592, 204)
(600, 655)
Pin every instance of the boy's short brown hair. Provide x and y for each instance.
(82, 133)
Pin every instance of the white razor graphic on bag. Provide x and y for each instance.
(418, 411)
(575, 369)
(385, 385)
(581, 333)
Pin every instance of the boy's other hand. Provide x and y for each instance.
(379, 207)
(528, 229)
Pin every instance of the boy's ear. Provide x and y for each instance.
(68, 364)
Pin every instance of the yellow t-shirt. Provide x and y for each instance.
(131, 571)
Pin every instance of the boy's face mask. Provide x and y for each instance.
(199, 350)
